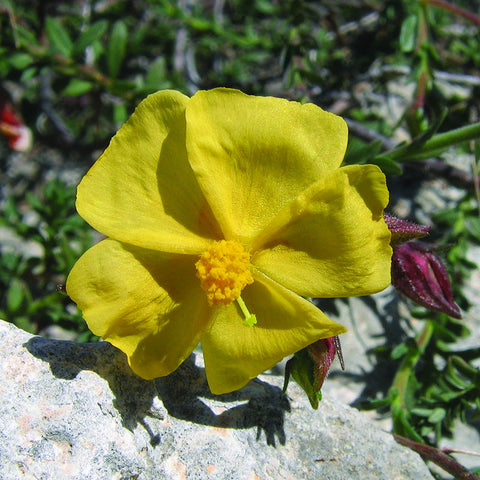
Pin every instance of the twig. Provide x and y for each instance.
(454, 9)
(448, 450)
(376, 73)
(368, 135)
(456, 176)
(435, 166)
(439, 457)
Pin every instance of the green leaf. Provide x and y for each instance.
(25, 36)
(24, 323)
(117, 44)
(399, 351)
(376, 404)
(437, 415)
(473, 226)
(58, 37)
(34, 202)
(15, 295)
(156, 74)
(364, 153)
(76, 87)
(28, 74)
(408, 34)
(120, 113)
(20, 60)
(446, 216)
(418, 149)
(402, 425)
(449, 396)
(90, 35)
(387, 165)
(422, 412)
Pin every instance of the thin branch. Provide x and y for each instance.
(454, 9)
(440, 458)
(435, 166)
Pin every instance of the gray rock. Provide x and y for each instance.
(77, 412)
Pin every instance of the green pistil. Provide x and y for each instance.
(250, 319)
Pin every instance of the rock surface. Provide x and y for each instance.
(76, 411)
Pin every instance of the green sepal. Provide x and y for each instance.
(301, 368)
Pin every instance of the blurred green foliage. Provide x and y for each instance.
(46, 237)
(78, 69)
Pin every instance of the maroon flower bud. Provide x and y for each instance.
(421, 276)
(322, 354)
(309, 367)
(403, 231)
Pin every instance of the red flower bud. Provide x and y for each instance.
(309, 367)
(19, 135)
(421, 276)
(403, 231)
(322, 353)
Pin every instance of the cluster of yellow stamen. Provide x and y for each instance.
(224, 271)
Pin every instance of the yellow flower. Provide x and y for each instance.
(215, 196)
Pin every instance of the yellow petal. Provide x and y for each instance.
(142, 190)
(253, 155)
(146, 303)
(332, 240)
(235, 353)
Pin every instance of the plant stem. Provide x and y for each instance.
(436, 144)
(437, 456)
(399, 406)
(458, 11)
(409, 362)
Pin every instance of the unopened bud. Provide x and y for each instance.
(309, 367)
(421, 276)
(403, 231)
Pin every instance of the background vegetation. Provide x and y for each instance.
(399, 71)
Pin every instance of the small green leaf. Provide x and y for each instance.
(364, 153)
(28, 74)
(25, 36)
(24, 323)
(117, 44)
(422, 412)
(76, 87)
(408, 34)
(34, 202)
(387, 165)
(58, 37)
(402, 425)
(15, 295)
(20, 60)
(120, 113)
(437, 415)
(473, 226)
(399, 351)
(156, 74)
(90, 35)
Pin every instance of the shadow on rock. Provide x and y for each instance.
(181, 392)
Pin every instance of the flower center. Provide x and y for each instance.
(224, 271)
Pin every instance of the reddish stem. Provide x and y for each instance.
(420, 97)
(437, 456)
(459, 11)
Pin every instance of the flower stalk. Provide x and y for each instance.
(435, 145)
(401, 383)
